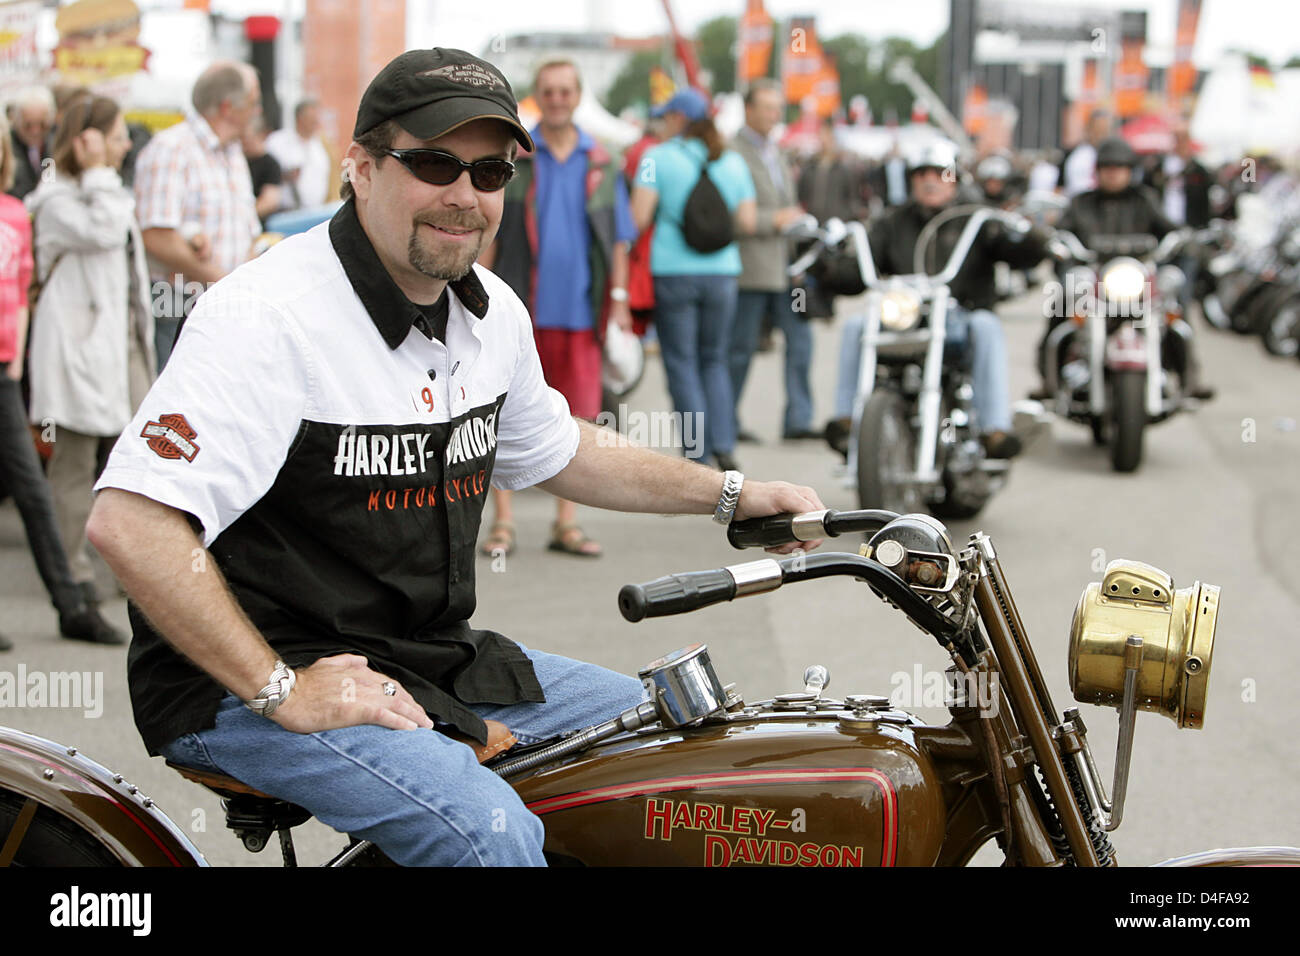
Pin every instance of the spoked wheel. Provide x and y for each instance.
(887, 456)
(32, 834)
(1281, 334)
(1129, 420)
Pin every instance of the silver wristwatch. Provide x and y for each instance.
(731, 484)
(275, 692)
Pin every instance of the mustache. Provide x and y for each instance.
(464, 222)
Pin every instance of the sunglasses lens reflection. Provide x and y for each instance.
(438, 169)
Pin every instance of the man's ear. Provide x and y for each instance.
(358, 164)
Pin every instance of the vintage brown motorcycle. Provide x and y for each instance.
(697, 776)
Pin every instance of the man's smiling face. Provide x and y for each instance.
(426, 235)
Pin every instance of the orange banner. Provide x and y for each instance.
(807, 71)
(662, 87)
(1182, 74)
(1131, 76)
(755, 40)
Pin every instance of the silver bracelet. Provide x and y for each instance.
(731, 485)
(275, 692)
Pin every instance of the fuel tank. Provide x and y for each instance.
(799, 786)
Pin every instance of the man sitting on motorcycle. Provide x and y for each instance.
(294, 509)
(1121, 207)
(971, 324)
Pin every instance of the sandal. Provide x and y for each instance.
(500, 540)
(568, 538)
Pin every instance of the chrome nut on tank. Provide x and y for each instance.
(1177, 632)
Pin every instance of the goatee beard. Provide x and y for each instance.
(450, 264)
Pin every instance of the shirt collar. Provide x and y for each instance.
(762, 142)
(203, 130)
(389, 308)
(585, 140)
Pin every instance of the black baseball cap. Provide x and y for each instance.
(432, 92)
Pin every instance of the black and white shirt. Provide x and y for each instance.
(338, 461)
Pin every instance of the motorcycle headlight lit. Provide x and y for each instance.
(1170, 281)
(1123, 281)
(1177, 631)
(899, 310)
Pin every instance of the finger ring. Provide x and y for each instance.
(390, 689)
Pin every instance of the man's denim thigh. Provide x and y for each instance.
(418, 794)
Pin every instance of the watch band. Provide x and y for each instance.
(732, 482)
(618, 294)
(275, 692)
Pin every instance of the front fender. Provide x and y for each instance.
(111, 811)
(1239, 856)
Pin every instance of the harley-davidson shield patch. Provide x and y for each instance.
(171, 437)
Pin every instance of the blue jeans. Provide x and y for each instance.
(693, 316)
(974, 331)
(419, 795)
(750, 309)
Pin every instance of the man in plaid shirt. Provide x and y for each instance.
(194, 198)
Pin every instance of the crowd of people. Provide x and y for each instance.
(106, 232)
(684, 233)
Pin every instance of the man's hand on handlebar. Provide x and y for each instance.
(343, 691)
(761, 498)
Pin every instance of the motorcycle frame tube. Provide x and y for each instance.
(1030, 843)
(1097, 362)
(1152, 327)
(88, 795)
(1023, 697)
(866, 374)
(931, 397)
(1052, 351)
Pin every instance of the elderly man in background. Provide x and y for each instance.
(194, 196)
(765, 255)
(32, 119)
(304, 161)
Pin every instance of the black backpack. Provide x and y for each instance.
(706, 220)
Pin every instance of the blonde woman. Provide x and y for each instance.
(20, 469)
(91, 355)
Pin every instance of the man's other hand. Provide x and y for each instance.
(342, 691)
(759, 499)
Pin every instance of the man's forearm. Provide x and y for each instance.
(171, 249)
(608, 472)
(176, 583)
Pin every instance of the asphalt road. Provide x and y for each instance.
(1215, 500)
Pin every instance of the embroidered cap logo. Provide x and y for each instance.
(470, 74)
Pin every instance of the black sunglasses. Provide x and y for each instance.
(437, 168)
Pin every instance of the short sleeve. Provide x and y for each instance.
(646, 173)
(536, 435)
(160, 186)
(218, 424)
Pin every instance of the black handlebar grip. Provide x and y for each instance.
(676, 594)
(771, 531)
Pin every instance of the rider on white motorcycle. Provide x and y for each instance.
(972, 326)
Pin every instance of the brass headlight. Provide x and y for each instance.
(900, 309)
(1177, 631)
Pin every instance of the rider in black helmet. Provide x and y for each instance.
(1119, 206)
